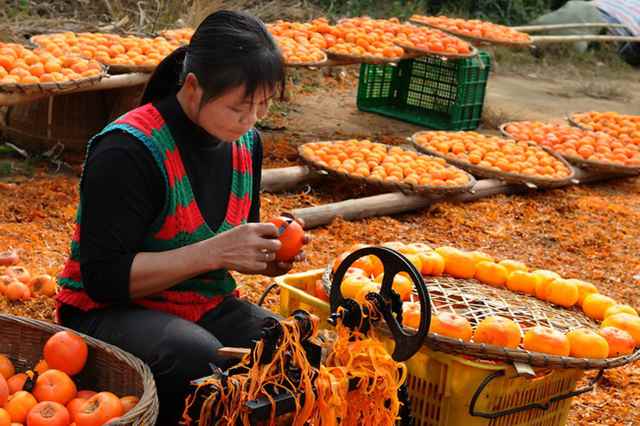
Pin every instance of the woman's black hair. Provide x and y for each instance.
(228, 49)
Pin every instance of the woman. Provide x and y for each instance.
(166, 195)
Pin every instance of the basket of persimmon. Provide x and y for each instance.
(50, 375)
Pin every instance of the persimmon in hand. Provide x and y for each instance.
(291, 235)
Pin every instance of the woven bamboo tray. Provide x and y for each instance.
(126, 69)
(390, 186)
(308, 64)
(476, 301)
(422, 52)
(372, 60)
(476, 40)
(108, 367)
(598, 166)
(55, 87)
(484, 172)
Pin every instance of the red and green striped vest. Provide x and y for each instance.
(180, 223)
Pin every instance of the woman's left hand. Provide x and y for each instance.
(275, 268)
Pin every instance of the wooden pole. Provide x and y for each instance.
(110, 82)
(397, 202)
(576, 38)
(535, 28)
(277, 180)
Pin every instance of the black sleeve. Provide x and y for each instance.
(122, 193)
(254, 213)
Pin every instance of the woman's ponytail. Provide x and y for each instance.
(166, 79)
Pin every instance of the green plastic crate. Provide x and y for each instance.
(427, 91)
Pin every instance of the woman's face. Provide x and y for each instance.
(230, 115)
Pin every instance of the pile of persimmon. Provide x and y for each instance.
(296, 52)
(305, 33)
(182, 35)
(577, 143)
(47, 395)
(109, 49)
(19, 65)
(625, 128)
(474, 28)
(366, 37)
(495, 153)
(618, 335)
(17, 283)
(363, 158)
(430, 41)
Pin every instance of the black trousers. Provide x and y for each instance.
(176, 350)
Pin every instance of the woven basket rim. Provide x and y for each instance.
(476, 39)
(498, 353)
(474, 52)
(309, 64)
(599, 166)
(365, 59)
(148, 404)
(504, 176)
(393, 186)
(55, 87)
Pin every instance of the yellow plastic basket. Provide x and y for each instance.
(451, 390)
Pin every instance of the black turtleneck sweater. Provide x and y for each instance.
(123, 192)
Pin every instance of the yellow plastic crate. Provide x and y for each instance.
(441, 386)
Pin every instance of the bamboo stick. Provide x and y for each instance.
(110, 82)
(277, 180)
(535, 28)
(576, 38)
(397, 202)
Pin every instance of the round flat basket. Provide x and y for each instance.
(484, 172)
(391, 186)
(308, 64)
(108, 368)
(596, 166)
(476, 301)
(54, 87)
(372, 60)
(476, 40)
(126, 69)
(422, 52)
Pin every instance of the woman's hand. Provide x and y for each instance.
(276, 268)
(247, 248)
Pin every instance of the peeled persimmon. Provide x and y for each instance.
(544, 279)
(66, 351)
(411, 314)
(584, 288)
(480, 256)
(563, 293)
(450, 324)
(595, 305)
(48, 413)
(54, 385)
(491, 273)
(499, 331)
(5, 418)
(43, 284)
(99, 409)
(587, 343)
(432, 264)
(620, 342)
(457, 263)
(4, 391)
(523, 282)
(513, 265)
(17, 291)
(20, 273)
(627, 322)
(401, 285)
(546, 340)
(7, 368)
(618, 309)
(352, 285)
(19, 405)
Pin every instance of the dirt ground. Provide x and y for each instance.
(591, 232)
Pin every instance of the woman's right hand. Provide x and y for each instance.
(247, 248)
